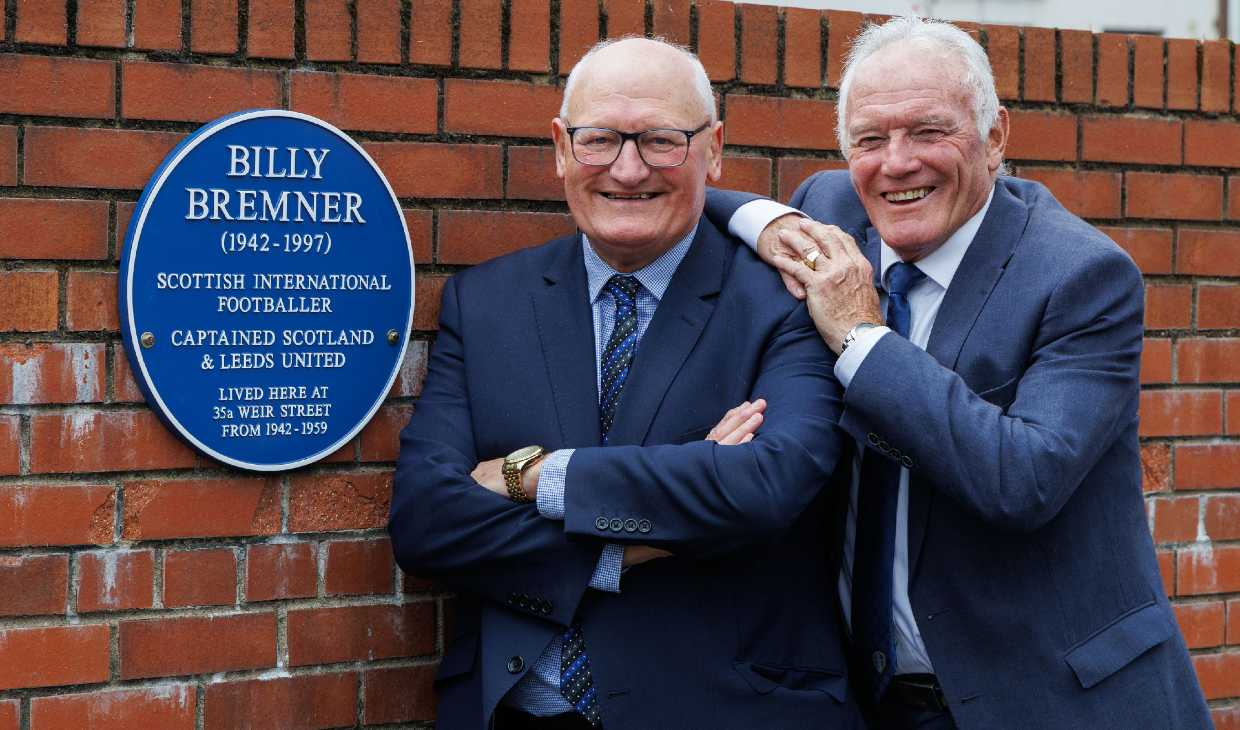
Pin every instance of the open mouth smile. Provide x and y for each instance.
(630, 196)
(907, 196)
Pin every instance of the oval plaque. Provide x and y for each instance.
(266, 289)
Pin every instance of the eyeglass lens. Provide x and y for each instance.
(657, 147)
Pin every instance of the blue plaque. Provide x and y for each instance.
(266, 289)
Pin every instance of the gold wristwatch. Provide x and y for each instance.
(515, 465)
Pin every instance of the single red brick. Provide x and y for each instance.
(1206, 568)
(10, 450)
(197, 644)
(285, 703)
(417, 170)
(418, 223)
(1233, 197)
(202, 92)
(717, 40)
(1150, 248)
(91, 301)
(357, 567)
(32, 301)
(172, 508)
(401, 694)
(44, 514)
(1207, 466)
(1155, 468)
(126, 388)
(671, 20)
(1181, 413)
(1112, 70)
(329, 502)
(500, 108)
(1087, 193)
(1181, 73)
(213, 26)
(281, 570)
(1039, 56)
(41, 21)
(1131, 139)
(470, 237)
(51, 656)
(625, 18)
(10, 715)
(529, 35)
(329, 30)
(1233, 621)
(94, 158)
(1041, 136)
(157, 25)
(579, 21)
(8, 155)
(378, 103)
(380, 439)
(84, 440)
(794, 170)
(759, 39)
(1208, 360)
(270, 31)
(1177, 196)
(43, 228)
(1218, 307)
(1215, 75)
(1147, 71)
(429, 292)
(1156, 361)
(479, 34)
(1168, 306)
(115, 580)
(1201, 623)
(430, 33)
(842, 27)
(1225, 718)
(167, 707)
(360, 633)
(742, 172)
(802, 47)
(101, 23)
(777, 122)
(1175, 519)
(531, 174)
(1211, 144)
(33, 584)
(410, 376)
(1222, 518)
(1208, 252)
(200, 578)
(62, 87)
(1076, 65)
(378, 31)
(51, 373)
(1003, 48)
(1166, 569)
(1218, 674)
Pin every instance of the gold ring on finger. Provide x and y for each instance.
(811, 258)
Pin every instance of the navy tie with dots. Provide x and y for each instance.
(874, 548)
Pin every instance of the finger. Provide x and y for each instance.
(793, 286)
(729, 422)
(747, 428)
(793, 268)
(747, 439)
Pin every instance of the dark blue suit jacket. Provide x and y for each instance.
(1032, 573)
(739, 629)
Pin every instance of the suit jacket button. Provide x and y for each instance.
(880, 661)
(617, 524)
(906, 461)
(884, 446)
(512, 599)
(523, 601)
(545, 608)
(895, 453)
(630, 525)
(515, 665)
(643, 526)
(600, 523)
(872, 438)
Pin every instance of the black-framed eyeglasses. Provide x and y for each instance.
(601, 146)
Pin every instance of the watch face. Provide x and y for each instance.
(524, 452)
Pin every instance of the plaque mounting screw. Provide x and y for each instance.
(148, 340)
(393, 337)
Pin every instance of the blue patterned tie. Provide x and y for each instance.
(874, 548)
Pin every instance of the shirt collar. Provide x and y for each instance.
(654, 276)
(940, 264)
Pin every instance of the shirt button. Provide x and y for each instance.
(515, 665)
(880, 661)
(600, 523)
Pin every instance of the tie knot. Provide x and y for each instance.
(623, 288)
(901, 277)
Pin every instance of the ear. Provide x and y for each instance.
(996, 141)
(714, 168)
(563, 146)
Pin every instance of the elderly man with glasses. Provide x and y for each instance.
(626, 565)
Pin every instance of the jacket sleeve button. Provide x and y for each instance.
(617, 524)
(872, 438)
(600, 523)
(643, 526)
(515, 665)
(630, 525)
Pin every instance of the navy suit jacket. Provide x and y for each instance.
(1032, 572)
(738, 630)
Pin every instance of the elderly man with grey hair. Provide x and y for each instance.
(598, 364)
(997, 569)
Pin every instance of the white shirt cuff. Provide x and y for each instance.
(845, 367)
(550, 497)
(749, 219)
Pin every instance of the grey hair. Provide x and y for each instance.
(977, 80)
(701, 83)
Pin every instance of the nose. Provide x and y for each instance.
(900, 157)
(629, 168)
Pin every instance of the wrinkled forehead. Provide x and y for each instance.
(913, 64)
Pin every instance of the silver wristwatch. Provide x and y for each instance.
(854, 333)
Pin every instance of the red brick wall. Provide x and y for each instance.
(142, 585)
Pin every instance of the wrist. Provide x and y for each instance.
(530, 476)
(856, 331)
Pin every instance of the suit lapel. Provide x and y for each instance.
(566, 334)
(678, 323)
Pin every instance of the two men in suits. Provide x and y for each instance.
(617, 569)
(997, 567)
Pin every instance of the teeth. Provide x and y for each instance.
(637, 196)
(908, 195)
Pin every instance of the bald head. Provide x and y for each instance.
(648, 62)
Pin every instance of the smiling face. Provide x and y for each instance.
(915, 157)
(631, 212)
